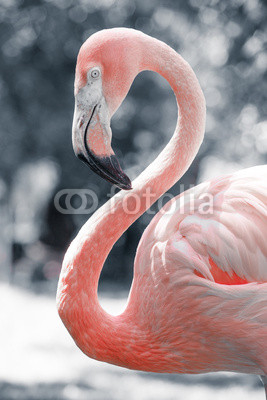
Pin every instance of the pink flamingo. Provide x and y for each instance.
(198, 301)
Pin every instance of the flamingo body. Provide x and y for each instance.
(198, 301)
(197, 276)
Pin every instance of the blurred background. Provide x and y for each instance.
(225, 42)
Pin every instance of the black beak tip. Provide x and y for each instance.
(125, 186)
(105, 168)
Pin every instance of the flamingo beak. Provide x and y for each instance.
(91, 143)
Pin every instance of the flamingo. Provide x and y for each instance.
(198, 300)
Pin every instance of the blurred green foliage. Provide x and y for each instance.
(224, 41)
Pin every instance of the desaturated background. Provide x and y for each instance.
(225, 43)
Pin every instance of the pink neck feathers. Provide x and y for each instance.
(97, 333)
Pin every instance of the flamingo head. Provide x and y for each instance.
(106, 66)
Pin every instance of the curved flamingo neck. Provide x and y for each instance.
(79, 308)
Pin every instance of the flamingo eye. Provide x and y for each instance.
(95, 73)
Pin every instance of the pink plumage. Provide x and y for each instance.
(198, 301)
